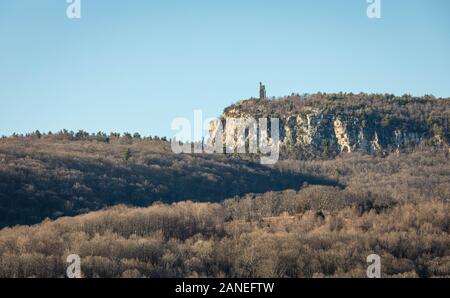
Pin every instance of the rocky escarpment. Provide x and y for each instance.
(326, 125)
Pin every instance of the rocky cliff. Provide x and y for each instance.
(325, 125)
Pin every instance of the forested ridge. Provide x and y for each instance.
(44, 175)
(129, 207)
(389, 109)
(323, 125)
(397, 207)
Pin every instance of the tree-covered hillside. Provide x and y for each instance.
(67, 174)
(396, 207)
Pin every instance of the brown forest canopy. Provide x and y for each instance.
(299, 218)
(426, 110)
(64, 174)
(397, 207)
(67, 173)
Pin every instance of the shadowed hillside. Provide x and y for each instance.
(67, 174)
(395, 206)
(318, 231)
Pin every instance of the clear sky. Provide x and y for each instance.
(135, 65)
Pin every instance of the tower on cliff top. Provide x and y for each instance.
(262, 91)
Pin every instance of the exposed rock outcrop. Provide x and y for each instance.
(330, 124)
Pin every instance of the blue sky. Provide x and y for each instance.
(136, 65)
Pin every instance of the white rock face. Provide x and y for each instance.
(315, 132)
(340, 131)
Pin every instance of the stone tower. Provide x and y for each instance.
(262, 91)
